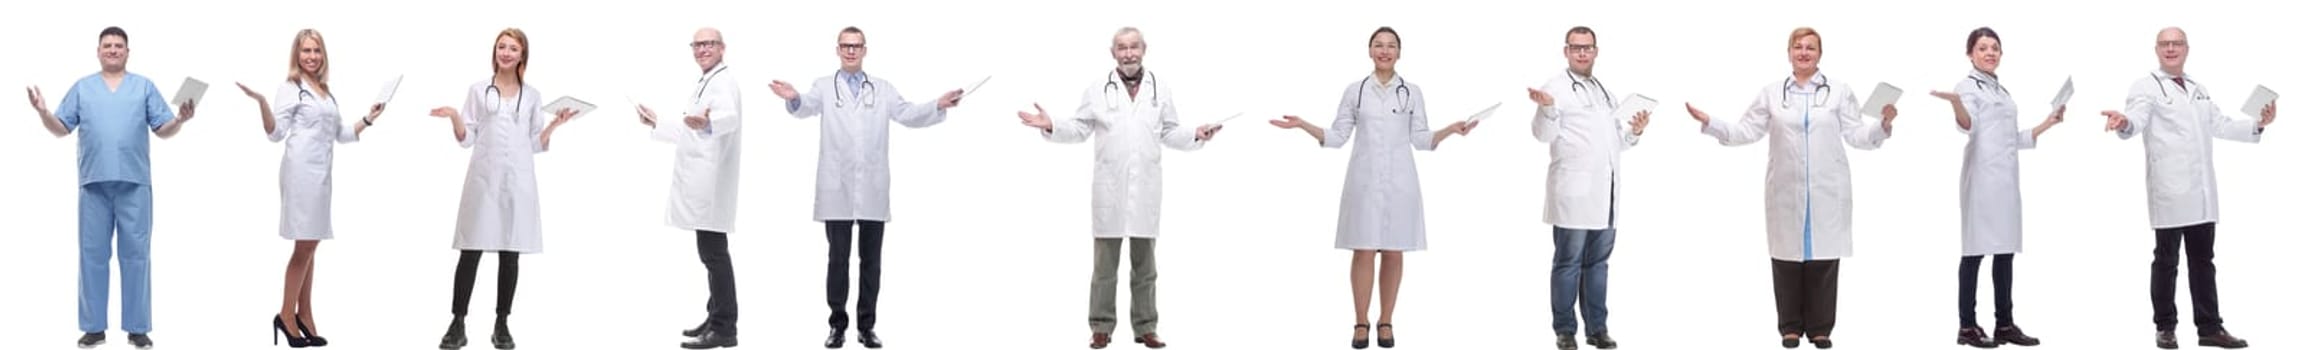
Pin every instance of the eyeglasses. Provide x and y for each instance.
(852, 47)
(704, 44)
(2170, 43)
(1582, 48)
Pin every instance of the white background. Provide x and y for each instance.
(990, 246)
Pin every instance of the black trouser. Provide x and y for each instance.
(2200, 242)
(1807, 293)
(2003, 272)
(836, 235)
(720, 309)
(507, 277)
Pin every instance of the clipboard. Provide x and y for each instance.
(190, 92)
(2063, 94)
(566, 102)
(1883, 95)
(1484, 113)
(389, 88)
(972, 88)
(1633, 105)
(2254, 107)
(1228, 119)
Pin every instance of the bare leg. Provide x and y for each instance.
(1364, 278)
(304, 295)
(1389, 283)
(292, 284)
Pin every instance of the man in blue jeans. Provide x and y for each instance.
(113, 110)
(1581, 187)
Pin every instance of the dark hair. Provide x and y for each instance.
(852, 29)
(1382, 31)
(1580, 30)
(114, 31)
(1981, 32)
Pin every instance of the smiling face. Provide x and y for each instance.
(1128, 49)
(311, 57)
(2173, 48)
(707, 48)
(511, 55)
(1986, 54)
(1805, 51)
(1580, 51)
(851, 50)
(1385, 49)
(112, 52)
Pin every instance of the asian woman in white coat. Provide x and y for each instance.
(1132, 116)
(1383, 210)
(500, 210)
(1991, 213)
(303, 113)
(852, 175)
(1807, 120)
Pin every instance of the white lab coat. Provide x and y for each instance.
(1808, 199)
(852, 175)
(500, 211)
(705, 163)
(310, 125)
(2178, 122)
(1126, 196)
(1992, 217)
(1582, 182)
(1383, 205)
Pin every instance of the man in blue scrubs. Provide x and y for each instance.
(113, 110)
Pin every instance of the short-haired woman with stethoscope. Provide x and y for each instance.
(1383, 212)
(1990, 212)
(1807, 119)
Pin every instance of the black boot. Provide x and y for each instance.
(502, 337)
(455, 337)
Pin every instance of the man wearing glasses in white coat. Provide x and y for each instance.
(704, 181)
(2174, 113)
(1581, 187)
(1132, 116)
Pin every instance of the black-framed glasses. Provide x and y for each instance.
(704, 44)
(2171, 43)
(852, 47)
(1582, 48)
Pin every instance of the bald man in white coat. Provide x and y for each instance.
(707, 146)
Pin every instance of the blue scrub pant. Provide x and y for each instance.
(125, 208)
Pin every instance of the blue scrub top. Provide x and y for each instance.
(115, 127)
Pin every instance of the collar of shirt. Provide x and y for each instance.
(709, 73)
(2164, 76)
(1989, 79)
(1816, 81)
(855, 80)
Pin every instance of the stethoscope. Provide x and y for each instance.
(1982, 84)
(498, 99)
(304, 94)
(1575, 86)
(701, 83)
(1112, 89)
(865, 92)
(1402, 90)
(1824, 90)
(2163, 84)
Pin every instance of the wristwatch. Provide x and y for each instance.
(367, 121)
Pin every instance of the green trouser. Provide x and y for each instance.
(1142, 314)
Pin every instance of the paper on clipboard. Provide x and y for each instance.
(190, 92)
(389, 88)
(1883, 95)
(566, 102)
(1227, 119)
(2063, 94)
(1485, 113)
(2254, 107)
(1633, 105)
(972, 88)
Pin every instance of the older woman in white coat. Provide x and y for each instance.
(500, 210)
(303, 113)
(1132, 115)
(852, 175)
(1383, 211)
(1807, 119)
(1991, 212)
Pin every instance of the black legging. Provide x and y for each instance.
(2002, 274)
(507, 277)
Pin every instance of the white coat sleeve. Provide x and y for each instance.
(349, 132)
(1340, 131)
(285, 105)
(1076, 127)
(1547, 125)
(1745, 130)
(2025, 138)
(2242, 130)
(1176, 136)
(1625, 130)
(2140, 108)
(538, 119)
(913, 114)
(808, 103)
(1856, 130)
(726, 103)
(1420, 134)
(1970, 96)
(467, 116)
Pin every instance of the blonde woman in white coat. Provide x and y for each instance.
(1383, 210)
(1132, 116)
(1991, 212)
(1807, 120)
(500, 210)
(303, 113)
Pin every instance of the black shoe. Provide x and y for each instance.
(309, 337)
(140, 341)
(279, 330)
(695, 332)
(455, 337)
(2165, 340)
(1975, 337)
(91, 340)
(502, 337)
(1565, 341)
(868, 338)
(1384, 341)
(836, 339)
(1821, 342)
(2218, 339)
(1361, 342)
(710, 340)
(1793, 342)
(2012, 335)
(1601, 341)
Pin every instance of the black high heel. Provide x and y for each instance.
(1384, 341)
(309, 339)
(280, 329)
(1361, 343)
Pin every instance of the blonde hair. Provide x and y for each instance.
(295, 50)
(1802, 32)
(520, 72)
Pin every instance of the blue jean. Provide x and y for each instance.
(1581, 273)
(125, 208)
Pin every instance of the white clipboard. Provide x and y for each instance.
(2254, 107)
(389, 88)
(190, 92)
(2063, 94)
(1633, 105)
(1228, 119)
(972, 88)
(1484, 113)
(566, 102)
(1883, 95)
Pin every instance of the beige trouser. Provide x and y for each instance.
(1102, 286)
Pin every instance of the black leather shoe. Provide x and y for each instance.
(1821, 342)
(141, 341)
(2012, 335)
(501, 338)
(869, 339)
(455, 337)
(694, 332)
(1792, 341)
(833, 342)
(1975, 337)
(1565, 341)
(2218, 339)
(2165, 340)
(91, 340)
(710, 340)
(1382, 340)
(1363, 341)
(1601, 341)
(310, 338)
